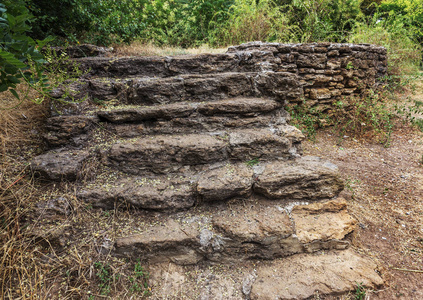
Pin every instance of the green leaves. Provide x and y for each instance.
(20, 58)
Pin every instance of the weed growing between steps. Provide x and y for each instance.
(371, 117)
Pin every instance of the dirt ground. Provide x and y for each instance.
(384, 187)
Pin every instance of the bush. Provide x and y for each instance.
(404, 52)
(251, 21)
(20, 58)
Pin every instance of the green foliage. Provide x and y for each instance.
(139, 281)
(108, 278)
(411, 13)
(360, 292)
(307, 119)
(323, 20)
(20, 58)
(61, 18)
(404, 53)
(104, 274)
(253, 162)
(249, 20)
(363, 116)
(411, 111)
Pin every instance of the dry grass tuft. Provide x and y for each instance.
(20, 125)
(148, 49)
(20, 275)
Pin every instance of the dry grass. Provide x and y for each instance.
(20, 276)
(145, 49)
(19, 126)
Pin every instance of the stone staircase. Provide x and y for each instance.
(204, 144)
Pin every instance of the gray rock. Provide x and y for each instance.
(225, 183)
(303, 178)
(301, 276)
(63, 165)
(161, 193)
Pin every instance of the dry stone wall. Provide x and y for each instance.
(327, 72)
(319, 73)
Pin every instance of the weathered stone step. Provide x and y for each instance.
(303, 276)
(241, 231)
(236, 106)
(253, 61)
(304, 179)
(185, 117)
(196, 88)
(164, 153)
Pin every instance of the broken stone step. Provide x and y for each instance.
(164, 154)
(216, 184)
(241, 231)
(252, 61)
(299, 277)
(196, 88)
(136, 121)
(237, 106)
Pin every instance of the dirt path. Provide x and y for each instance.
(385, 190)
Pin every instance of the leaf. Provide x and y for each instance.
(14, 93)
(12, 60)
(3, 87)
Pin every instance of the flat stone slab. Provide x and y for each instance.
(237, 106)
(60, 165)
(160, 154)
(303, 276)
(280, 86)
(226, 182)
(163, 193)
(304, 178)
(163, 153)
(298, 277)
(235, 232)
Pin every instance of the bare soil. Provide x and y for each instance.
(384, 187)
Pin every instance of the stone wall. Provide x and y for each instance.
(319, 73)
(327, 72)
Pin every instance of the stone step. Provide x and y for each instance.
(171, 153)
(185, 117)
(241, 231)
(303, 276)
(281, 86)
(303, 179)
(236, 106)
(178, 65)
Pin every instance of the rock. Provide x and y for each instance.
(226, 182)
(162, 153)
(161, 193)
(304, 178)
(138, 114)
(63, 165)
(323, 221)
(171, 242)
(69, 130)
(152, 91)
(301, 276)
(55, 206)
(238, 106)
(235, 233)
(251, 144)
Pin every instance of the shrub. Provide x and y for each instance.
(20, 58)
(404, 52)
(249, 20)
